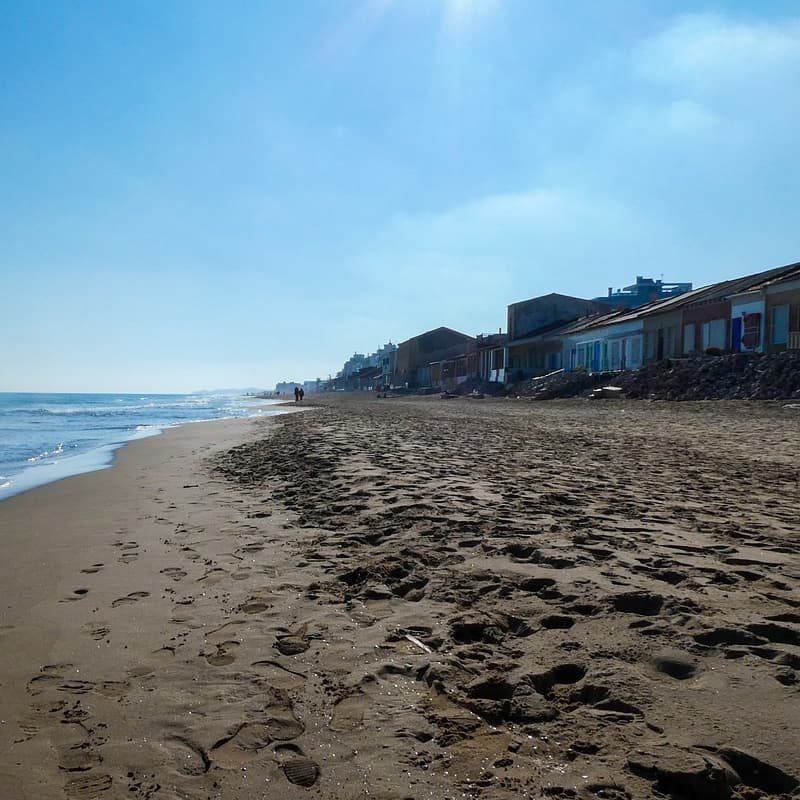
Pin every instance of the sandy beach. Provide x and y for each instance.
(413, 598)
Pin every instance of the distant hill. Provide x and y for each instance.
(246, 390)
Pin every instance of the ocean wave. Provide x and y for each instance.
(59, 450)
(88, 429)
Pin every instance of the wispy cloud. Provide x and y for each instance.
(659, 174)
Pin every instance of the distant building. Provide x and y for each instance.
(287, 387)
(386, 358)
(534, 344)
(353, 364)
(416, 355)
(645, 290)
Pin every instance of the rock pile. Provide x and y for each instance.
(732, 377)
(738, 376)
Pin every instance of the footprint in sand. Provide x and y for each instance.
(77, 594)
(224, 654)
(133, 597)
(176, 573)
(39, 716)
(213, 576)
(97, 630)
(244, 745)
(223, 645)
(129, 551)
(190, 757)
(93, 569)
(291, 645)
(248, 740)
(50, 676)
(74, 750)
(87, 787)
(279, 676)
(348, 713)
(254, 606)
(297, 767)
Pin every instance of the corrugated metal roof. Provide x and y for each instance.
(787, 273)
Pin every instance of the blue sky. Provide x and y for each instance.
(198, 194)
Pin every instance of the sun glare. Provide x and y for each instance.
(463, 16)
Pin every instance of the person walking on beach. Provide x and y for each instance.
(296, 393)
(302, 392)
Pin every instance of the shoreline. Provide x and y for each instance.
(103, 456)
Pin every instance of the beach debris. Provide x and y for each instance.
(417, 643)
(607, 393)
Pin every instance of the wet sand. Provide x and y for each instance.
(412, 598)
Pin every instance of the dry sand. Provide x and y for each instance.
(413, 599)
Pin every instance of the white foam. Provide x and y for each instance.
(47, 454)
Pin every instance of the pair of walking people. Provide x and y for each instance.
(299, 393)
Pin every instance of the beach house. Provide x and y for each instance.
(754, 313)
(766, 316)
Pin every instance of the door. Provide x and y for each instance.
(736, 334)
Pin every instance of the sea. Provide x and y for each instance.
(46, 437)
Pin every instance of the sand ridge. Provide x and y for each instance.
(409, 599)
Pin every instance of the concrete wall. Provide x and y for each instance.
(530, 315)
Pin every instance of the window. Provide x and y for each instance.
(751, 331)
(714, 334)
(634, 360)
(671, 341)
(650, 345)
(616, 358)
(688, 338)
(780, 324)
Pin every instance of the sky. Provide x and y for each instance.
(205, 194)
